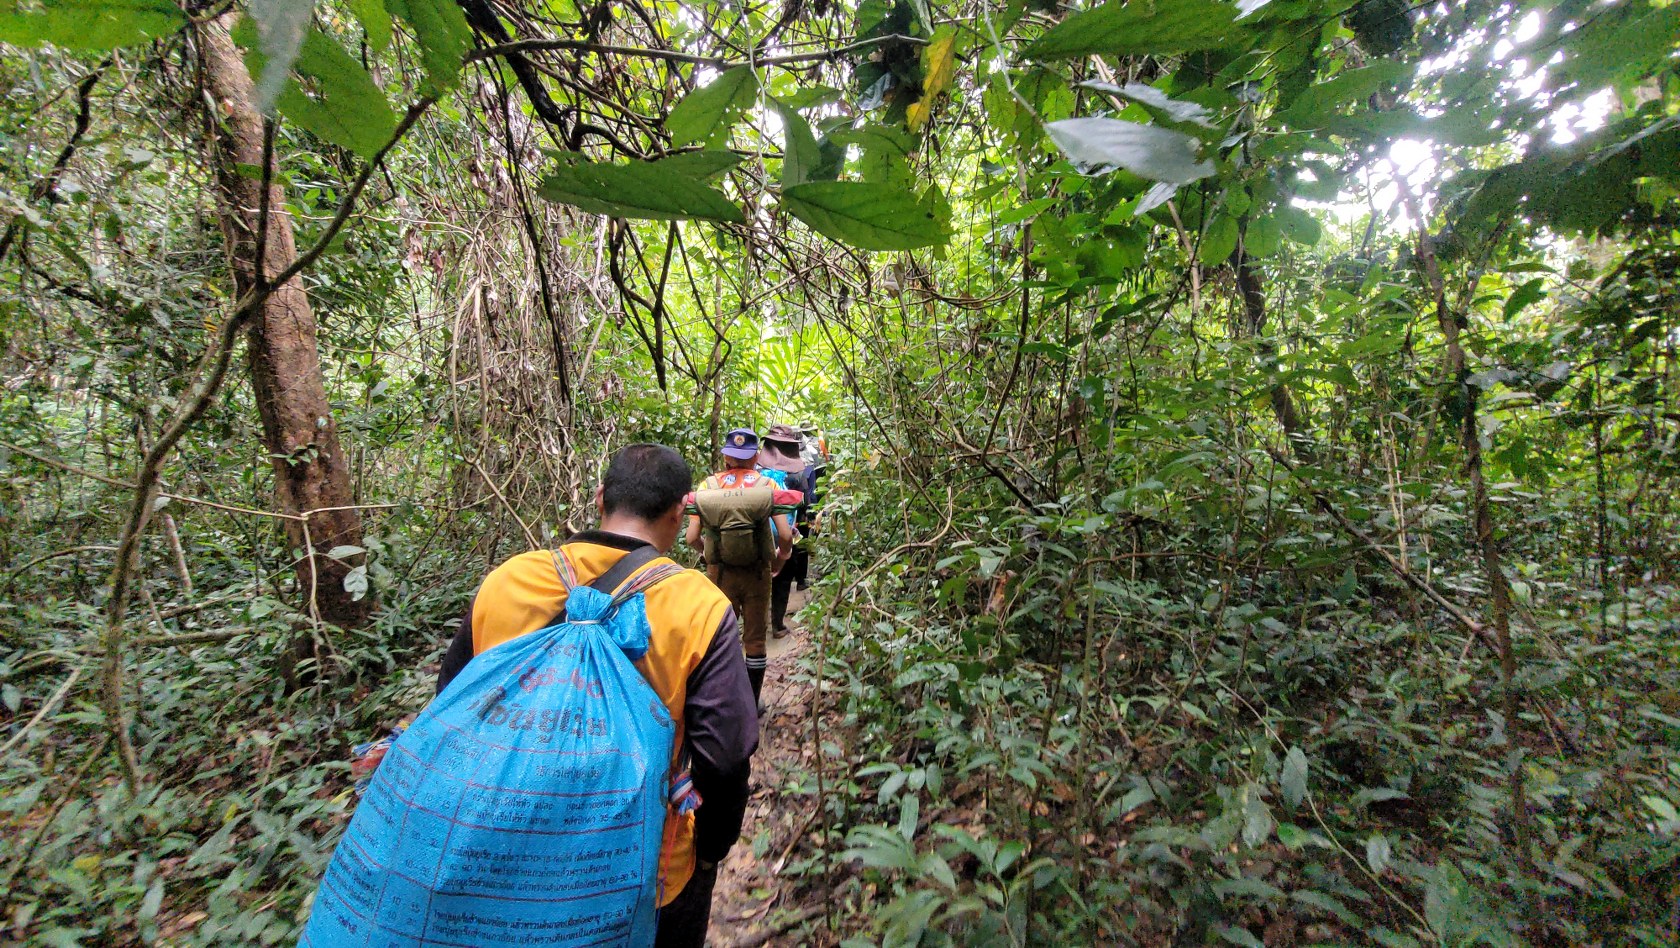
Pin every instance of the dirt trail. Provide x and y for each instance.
(752, 905)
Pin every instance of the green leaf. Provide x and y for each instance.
(909, 814)
(873, 14)
(345, 107)
(1323, 98)
(1139, 28)
(1378, 853)
(1175, 110)
(870, 216)
(1219, 242)
(1136, 797)
(1258, 822)
(716, 104)
(1294, 778)
(699, 164)
(1528, 293)
(1620, 45)
(1325, 903)
(800, 154)
(1661, 807)
(444, 37)
(891, 786)
(1298, 225)
(92, 25)
(1263, 237)
(1372, 795)
(348, 108)
(1238, 935)
(375, 21)
(153, 900)
(885, 149)
(809, 97)
(1159, 154)
(1447, 903)
(281, 27)
(356, 583)
(1293, 836)
(642, 190)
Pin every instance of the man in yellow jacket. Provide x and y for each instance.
(694, 662)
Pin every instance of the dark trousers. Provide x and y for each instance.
(782, 586)
(748, 589)
(684, 920)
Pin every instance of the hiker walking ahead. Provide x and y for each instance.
(735, 513)
(693, 663)
(780, 458)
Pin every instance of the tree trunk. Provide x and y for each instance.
(311, 467)
(1465, 396)
(1254, 311)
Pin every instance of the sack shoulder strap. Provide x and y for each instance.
(613, 581)
(626, 567)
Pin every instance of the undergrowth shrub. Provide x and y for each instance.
(1113, 751)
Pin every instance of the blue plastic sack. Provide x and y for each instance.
(525, 806)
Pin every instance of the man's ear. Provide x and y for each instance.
(600, 499)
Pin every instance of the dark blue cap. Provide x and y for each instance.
(740, 444)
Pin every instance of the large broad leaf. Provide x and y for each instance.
(1159, 154)
(375, 20)
(444, 37)
(717, 103)
(870, 216)
(1587, 186)
(344, 105)
(883, 17)
(1298, 224)
(1294, 777)
(700, 165)
(801, 155)
(646, 190)
(281, 26)
(1311, 107)
(885, 149)
(1219, 242)
(1155, 100)
(1139, 28)
(1264, 236)
(938, 67)
(92, 25)
(1620, 45)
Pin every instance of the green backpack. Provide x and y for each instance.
(735, 523)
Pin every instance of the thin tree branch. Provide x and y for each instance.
(47, 187)
(670, 55)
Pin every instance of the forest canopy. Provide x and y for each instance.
(1255, 434)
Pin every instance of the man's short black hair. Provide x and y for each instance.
(645, 480)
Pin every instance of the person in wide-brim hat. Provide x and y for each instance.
(780, 449)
